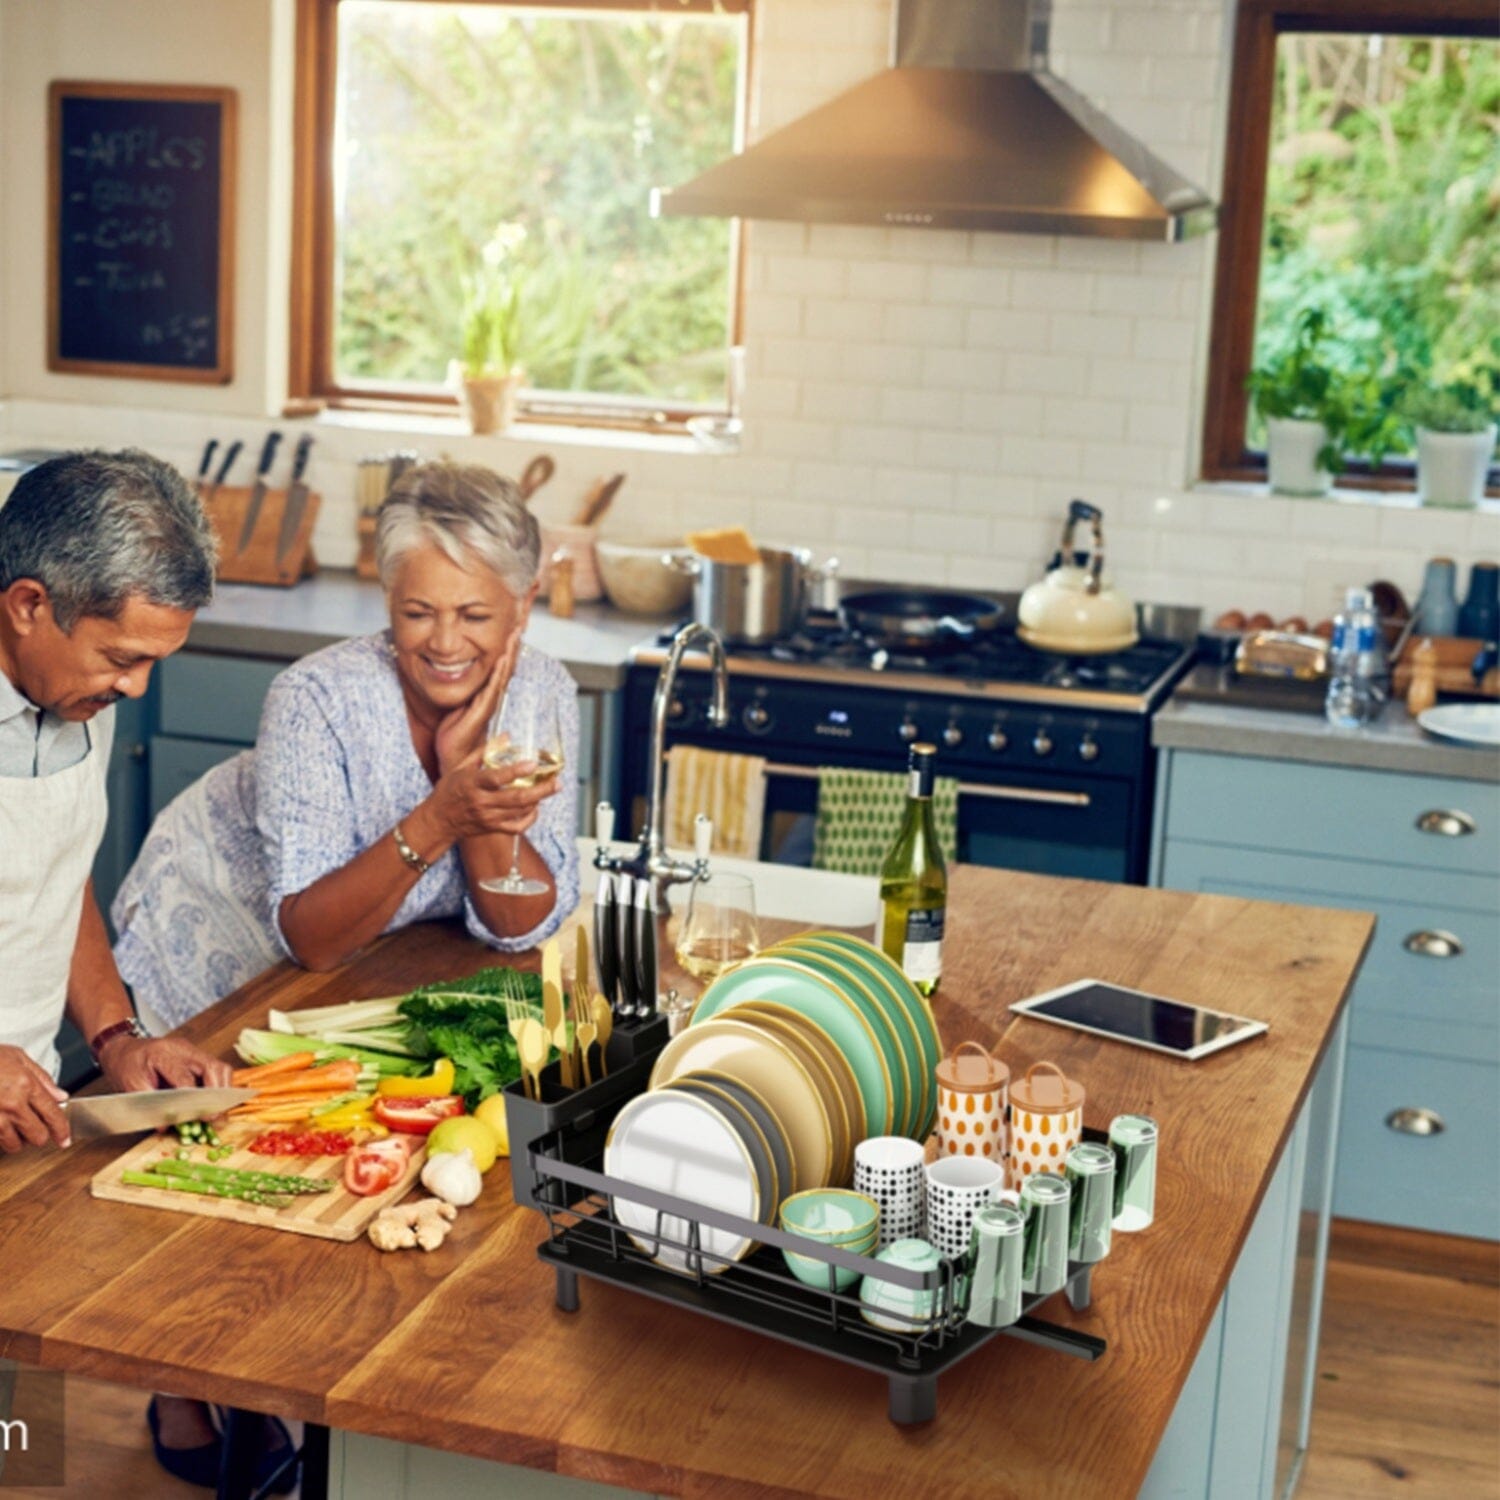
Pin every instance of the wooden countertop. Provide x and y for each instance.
(464, 1348)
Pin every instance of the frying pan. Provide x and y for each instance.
(919, 619)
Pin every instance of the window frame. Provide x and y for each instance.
(1258, 25)
(311, 377)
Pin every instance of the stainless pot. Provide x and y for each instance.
(751, 604)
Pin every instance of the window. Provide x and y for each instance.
(437, 138)
(1359, 177)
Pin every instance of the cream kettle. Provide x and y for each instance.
(1074, 609)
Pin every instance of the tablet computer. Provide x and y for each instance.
(1134, 1016)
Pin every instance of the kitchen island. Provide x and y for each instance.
(465, 1350)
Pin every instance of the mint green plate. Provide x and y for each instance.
(825, 1004)
(916, 1005)
(862, 990)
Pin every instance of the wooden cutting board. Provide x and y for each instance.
(339, 1215)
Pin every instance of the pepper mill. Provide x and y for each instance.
(1437, 605)
(1479, 619)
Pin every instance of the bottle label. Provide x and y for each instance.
(922, 952)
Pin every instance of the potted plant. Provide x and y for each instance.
(1455, 430)
(1315, 411)
(490, 371)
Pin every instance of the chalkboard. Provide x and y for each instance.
(141, 225)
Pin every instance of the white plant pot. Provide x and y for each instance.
(1292, 448)
(1451, 466)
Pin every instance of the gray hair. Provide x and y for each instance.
(468, 512)
(95, 529)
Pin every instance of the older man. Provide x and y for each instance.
(104, 557)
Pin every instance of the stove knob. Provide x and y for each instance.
(953, 736)
(908, 730)
(998, 739)
(1042, 744)
(676, 709)
(757, 716)
(1088, 748)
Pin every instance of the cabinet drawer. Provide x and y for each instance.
(214, 697)
(1329, 810)
(177, 764)
(1449, 1182)
(1461, 993)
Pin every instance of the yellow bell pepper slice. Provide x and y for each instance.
(439, 1081)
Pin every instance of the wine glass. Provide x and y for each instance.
(534, 730)
(719, 929)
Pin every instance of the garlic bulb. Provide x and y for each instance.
(454, 1177)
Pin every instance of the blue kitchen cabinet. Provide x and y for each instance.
(1420, 1117)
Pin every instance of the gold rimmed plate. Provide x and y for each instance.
(773, 1070)
(760, 1115)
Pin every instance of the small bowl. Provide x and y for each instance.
(814, 1272)
(637, 581)
(836, 1216)
(899, 1309)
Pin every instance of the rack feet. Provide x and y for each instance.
(567, 1289)
(913, 1399)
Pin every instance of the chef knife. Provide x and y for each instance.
(625, 971)
(207, 459)
(231, 453)
(645, 950)
(92, 1115)
(606, 949)
(258, 494)
(296, 501)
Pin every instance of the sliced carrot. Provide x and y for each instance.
(337, 1077)
(293, 1062)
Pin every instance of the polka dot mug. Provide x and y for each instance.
(1046, 1121)
(972, 1088)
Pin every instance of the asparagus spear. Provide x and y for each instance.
(196, 1185)
(276, 1182)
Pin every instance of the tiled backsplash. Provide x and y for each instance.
(924, 404)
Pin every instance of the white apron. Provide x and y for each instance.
(50, 829)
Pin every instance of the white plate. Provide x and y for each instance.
(1468, 723)
(678, 1143)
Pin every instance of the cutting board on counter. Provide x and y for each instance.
(339, 1215)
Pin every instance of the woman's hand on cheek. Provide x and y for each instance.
(462, 733)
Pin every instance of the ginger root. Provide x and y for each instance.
(404, 1226)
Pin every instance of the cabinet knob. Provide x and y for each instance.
(1449, 822)
(1422, 1122)
(137, 751)
(953, 736)
(908, 730)
(1433, 943)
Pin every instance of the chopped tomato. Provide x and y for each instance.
(417, 1116)
(301, 1143)
(376, 1165)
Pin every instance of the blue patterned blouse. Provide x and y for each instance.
(333, 770)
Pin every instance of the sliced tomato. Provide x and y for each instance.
(376, 1165)
(417, 1116)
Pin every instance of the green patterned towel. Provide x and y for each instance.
(860, 811)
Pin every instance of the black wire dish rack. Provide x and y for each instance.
(557, 1169)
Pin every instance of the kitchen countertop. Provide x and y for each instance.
(284, 624)
(465, 1349)
(1394, 742)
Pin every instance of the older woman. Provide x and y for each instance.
(366, 804)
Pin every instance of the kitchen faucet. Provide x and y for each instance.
(651, 860)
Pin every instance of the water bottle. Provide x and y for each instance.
(1357, 664)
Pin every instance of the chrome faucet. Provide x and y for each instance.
(651, 860)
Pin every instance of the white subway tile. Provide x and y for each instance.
(1351, 522)
(880, 364)
(868, 527)
(1079, 417)
(1007, 412)
(990, 572)
(921, 408)
(924, 326)
(951, 533)
(1013, 249)
(1007, 328)
(1029, 540)
(1426, 530)
(771, 396)
(970, 286)
(805, 276)
(930, 244)
(804, 359)
(826, 480)
(960, 451)
(796, 439)
(1090, 333)
(887, 280)
(1005, 494)
(913, 489)
(1139, 295)
(908, 566)
(842, 318)
(1046, 374)
(769, 316)
(1115, 257)
(878, 443)
(1041, 458)
(1156, 422)
(1172, 339)
(839, 401)
(849, 241)
(961, 369)
(793, 519)
(1055, 290)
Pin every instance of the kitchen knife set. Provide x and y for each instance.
(235, 543)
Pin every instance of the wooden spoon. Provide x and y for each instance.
(599, 498)
(604, 1026)
(536, 474)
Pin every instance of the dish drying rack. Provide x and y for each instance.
(558, 1172)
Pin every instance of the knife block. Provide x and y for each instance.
(228, 505)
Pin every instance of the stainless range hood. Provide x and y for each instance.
(967, 130)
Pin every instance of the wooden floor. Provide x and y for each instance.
(1408, 1406)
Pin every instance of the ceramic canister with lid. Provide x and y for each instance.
(972, 1095)
(1046, 1121)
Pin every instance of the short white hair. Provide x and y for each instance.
(468, 512)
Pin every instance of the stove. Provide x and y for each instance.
(1052, 752)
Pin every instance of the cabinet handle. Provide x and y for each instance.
(1433, 943)
(137, 751)
(1415, 1122)
(1449, 822)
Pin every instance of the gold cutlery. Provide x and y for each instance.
(535, 1048)
(586, 1032)
(582, 989)
(604, 1025)
(552, 1008)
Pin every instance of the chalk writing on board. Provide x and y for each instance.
(137, 239)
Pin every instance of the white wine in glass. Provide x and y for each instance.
(529, 733)
(719, 929)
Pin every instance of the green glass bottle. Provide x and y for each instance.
(914, 882)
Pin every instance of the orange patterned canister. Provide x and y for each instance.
(971, 1103)
(1046, 1121)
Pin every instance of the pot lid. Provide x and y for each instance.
(1046, 1090)
(969, 1069)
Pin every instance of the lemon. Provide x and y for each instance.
(460, 1132)
(492, 1112)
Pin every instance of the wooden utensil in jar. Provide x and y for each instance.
(600, 497)
(536, 474)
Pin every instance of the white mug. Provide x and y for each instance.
(888, 1168)
(957, 1188)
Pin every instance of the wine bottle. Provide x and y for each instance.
(914, 882)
